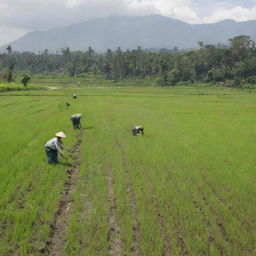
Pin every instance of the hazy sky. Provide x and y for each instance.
(18, 17)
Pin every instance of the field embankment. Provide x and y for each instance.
(18, 87)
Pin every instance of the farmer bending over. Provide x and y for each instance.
(75, 119)
(53, 147)
(137, 130)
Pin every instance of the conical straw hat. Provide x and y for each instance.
(60, 134)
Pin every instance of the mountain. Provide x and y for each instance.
(152, 31)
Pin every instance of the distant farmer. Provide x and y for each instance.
(76, 120)
(137, 130)
(53, 147)
(67, 105)
(74, 96)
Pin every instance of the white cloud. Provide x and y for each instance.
(238, 13)
(73, 3)
(177, 9)
(45, 14)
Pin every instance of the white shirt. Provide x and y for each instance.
(54, 144)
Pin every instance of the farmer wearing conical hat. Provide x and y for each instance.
(76, 120)
(53, 147)
(137, 130)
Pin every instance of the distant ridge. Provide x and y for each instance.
(152, 31)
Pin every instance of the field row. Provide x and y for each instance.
(186, 188)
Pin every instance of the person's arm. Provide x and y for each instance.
(58, 147)
(61, 145)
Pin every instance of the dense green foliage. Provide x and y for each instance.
(231, 66)
(191, 178)
(25, 80)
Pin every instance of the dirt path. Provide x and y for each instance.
(114, 233)
(136, 225)
(161, 221)
(178, 230)
(135, 249)
(55, 243)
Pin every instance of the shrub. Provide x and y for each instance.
(25, 80)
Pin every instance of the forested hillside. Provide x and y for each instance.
(232, 65)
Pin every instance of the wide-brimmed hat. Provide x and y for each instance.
(79, 115)
(60, 134)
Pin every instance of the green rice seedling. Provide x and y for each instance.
(185, 188)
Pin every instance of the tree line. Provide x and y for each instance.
(232, 65)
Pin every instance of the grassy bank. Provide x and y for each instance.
(17, 87)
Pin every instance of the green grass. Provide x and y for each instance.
(16, 87)
(192, 175)
(62, 81)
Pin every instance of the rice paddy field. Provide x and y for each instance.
(187, 187)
